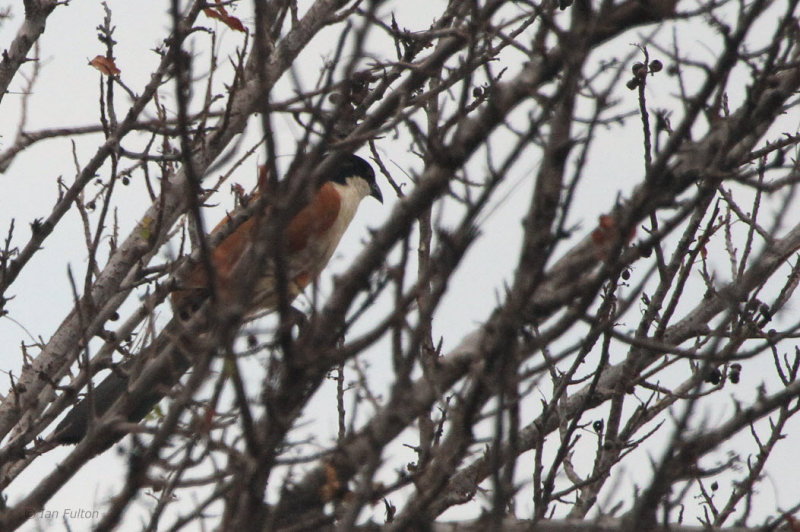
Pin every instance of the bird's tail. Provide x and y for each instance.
(168, 358)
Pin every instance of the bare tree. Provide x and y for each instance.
(639, 315)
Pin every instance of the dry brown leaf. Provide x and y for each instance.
(105, 65)
(218, 12)
(332, 483)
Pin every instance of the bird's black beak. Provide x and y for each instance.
(375, 192)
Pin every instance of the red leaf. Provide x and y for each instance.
(606, 221)
(599, 236)
(105, 65)
(607, 232)
(218, 12)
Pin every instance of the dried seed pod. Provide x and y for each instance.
(734, 372)
(713, 377)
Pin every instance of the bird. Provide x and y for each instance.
(311, 237)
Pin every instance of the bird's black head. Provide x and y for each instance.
(354, 166)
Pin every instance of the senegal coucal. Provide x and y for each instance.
(311, 237)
